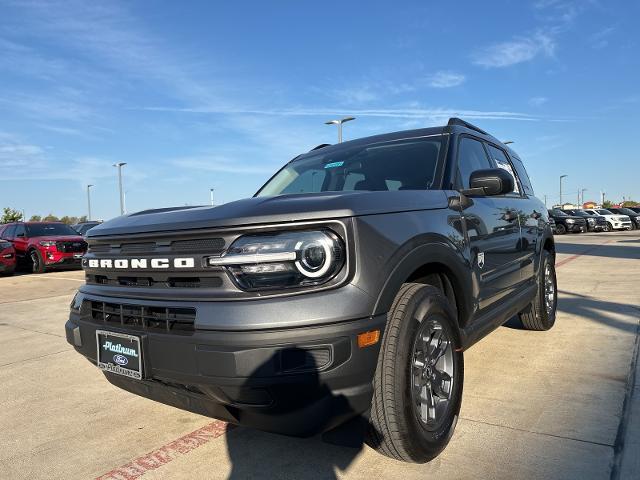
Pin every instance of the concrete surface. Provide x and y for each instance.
(557, 404)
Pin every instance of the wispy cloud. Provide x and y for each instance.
(445, 79)
(600, 39)
(538, 101)
(417, 113)
(216, 163)
(517, 50)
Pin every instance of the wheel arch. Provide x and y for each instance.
(435, 264)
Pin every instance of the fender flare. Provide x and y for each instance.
(443, 254)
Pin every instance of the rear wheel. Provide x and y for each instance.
(561, 229)
(541, 312)
(37, 262)
(418, 380)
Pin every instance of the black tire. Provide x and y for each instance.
(37, 262)
(536, 316)
(609, 227)
(561, 229)
(395, 429)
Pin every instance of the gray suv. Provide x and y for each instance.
(345, 292)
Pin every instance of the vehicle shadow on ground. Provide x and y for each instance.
(592, 309)
(258, 454)
(609, 250)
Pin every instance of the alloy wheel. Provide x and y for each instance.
(549, 290)
(432, 373)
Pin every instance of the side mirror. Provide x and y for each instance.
(492, 181)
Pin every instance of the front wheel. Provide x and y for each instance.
(541, 312)
(609, 227)
(37, 262)
(561, 229)
(418, 380)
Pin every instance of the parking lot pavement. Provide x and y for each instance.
(555, 404)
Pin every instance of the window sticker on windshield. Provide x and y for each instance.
(334, 164)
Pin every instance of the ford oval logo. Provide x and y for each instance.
(120, 359)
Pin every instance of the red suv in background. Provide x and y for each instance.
(44, 245)
(7, 257)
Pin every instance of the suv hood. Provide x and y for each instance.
(278, 209)
(59, 238)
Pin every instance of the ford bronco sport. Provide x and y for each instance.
(347, 288)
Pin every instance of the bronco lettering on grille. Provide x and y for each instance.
(134, 263)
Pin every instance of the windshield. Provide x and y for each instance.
(580, 213)
(408, 164)
(626, 211)
(47, 229)
(84, 228)
(558, 213)
(602, 211)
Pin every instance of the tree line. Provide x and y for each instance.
(11, 215)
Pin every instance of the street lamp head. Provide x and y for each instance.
(339, 121)
(562, 176)
(507, 142)
(121, 164)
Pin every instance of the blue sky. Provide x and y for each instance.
(195, 95)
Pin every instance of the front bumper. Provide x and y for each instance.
(295, 381)
(621, 225)
(576, 228)
(58, 259)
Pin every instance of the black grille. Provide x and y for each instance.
(160, 319)
(150, 282)
(210, 245)
(71, 247)
(213, 245)
(138, 247)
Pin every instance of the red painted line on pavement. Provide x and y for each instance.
(167, 453)
(578, 255)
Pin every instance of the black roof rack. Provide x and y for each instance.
(322, 145)
(462, 123)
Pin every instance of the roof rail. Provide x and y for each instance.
(459, 121)
(322, 145)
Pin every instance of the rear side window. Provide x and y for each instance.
(20, 231)
(471, 157)
(524, 177)
(503, 162)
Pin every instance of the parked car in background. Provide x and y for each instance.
(83, 228)
(634, 209)
(7, 257)
(567, 223)
(552, 225)
(595, 223)
(615, 222)
(634, 216)
(43, 245)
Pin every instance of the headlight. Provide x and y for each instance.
(571, 220)
(591, 220)
(283, 260)
(47, 243)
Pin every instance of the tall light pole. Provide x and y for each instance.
(120, 165)
(89, 201)
(561, 177)
(582, 192)
(211, 192)
(339, 124)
